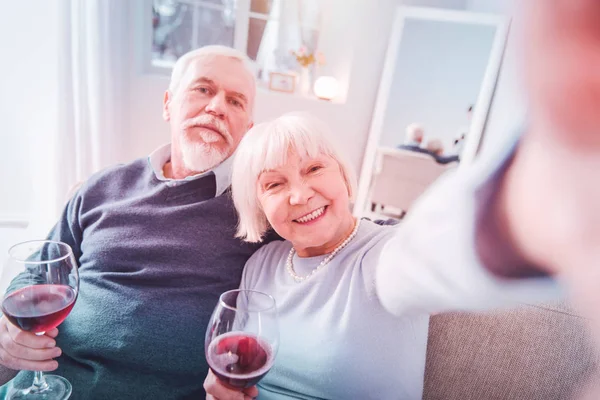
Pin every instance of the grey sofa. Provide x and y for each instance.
(529, 353)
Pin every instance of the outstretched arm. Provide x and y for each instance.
(499, 227)
(435, 261)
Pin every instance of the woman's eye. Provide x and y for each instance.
(315, 168)
(272, 185)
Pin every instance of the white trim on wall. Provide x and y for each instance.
(14, 221)
(486, 95)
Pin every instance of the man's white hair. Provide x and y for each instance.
(183, 62)
(414, 133)
(265, 147)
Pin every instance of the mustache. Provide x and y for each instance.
(208, 122)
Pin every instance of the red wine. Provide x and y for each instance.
(39, 308)
(239, 359)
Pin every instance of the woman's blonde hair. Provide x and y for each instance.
(265, 147)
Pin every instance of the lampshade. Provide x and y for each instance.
(326, 87)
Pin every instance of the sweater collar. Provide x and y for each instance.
(159, 157)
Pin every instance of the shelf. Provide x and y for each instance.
(296, 95)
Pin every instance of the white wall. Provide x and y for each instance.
(508, 109)
(29, 73)
(490, 6)
(9, 235)
(363, 42)
(451, 4)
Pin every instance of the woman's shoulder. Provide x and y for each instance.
(265, 261)
(270, 253)
(363, 253)
(371, 233)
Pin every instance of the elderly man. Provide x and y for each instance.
(155, 244)
(413, 139)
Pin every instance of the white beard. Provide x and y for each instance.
(201, 157)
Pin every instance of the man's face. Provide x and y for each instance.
(209, 111)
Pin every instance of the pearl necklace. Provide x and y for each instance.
(299, 278)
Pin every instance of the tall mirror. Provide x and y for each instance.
(434, 96)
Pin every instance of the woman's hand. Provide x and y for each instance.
(21, 350)
(552, 196)
(551, 192)
(217, 390)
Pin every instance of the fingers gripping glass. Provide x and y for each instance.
(44, 283)
(242, 338)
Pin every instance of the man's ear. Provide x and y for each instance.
(166, 101)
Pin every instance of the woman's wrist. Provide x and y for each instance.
(495, 240)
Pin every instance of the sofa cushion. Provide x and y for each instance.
(531, 352)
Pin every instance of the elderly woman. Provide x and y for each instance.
(353, 296)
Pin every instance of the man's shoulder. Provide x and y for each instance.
(447, 159)
(414, 148)
(118, 175)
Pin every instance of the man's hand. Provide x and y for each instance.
(21, 350)
(217, 390)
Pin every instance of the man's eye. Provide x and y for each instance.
(272, 185)
(235, 103)
(203, 89)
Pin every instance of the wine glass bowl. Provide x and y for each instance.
(242, 338)
(43, 288)
(39, 308)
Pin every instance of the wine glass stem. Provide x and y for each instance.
(39, 382)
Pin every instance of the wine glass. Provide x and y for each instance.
(242, 338)
(43, 287)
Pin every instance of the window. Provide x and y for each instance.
(180, 26)
(267, 30)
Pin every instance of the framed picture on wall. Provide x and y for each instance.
(281, 82)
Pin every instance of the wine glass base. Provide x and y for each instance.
(58, 389)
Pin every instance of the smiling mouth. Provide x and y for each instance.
(311, 216)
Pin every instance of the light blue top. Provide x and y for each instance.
(336, 340)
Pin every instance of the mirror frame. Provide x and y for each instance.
(481, 107)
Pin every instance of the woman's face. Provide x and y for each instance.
(306, 201)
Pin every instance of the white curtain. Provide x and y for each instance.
(289, 25)
(266, 58)
(90, 124)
